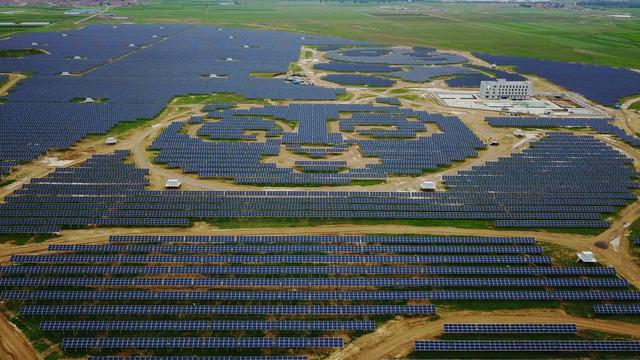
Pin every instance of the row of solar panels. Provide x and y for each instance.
(313, 282)
(308, 269)
(226, 309)
(527, 345)
(587, 295)
(203, 325)
(411, 239)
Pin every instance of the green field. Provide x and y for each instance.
(583, 35)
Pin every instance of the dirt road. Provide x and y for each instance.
(396, 337)
(13, 344)
(12, 80)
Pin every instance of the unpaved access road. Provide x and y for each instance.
(13, 344)
(396, 338)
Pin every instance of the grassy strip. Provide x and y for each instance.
(264, 75)
(295, 68)
(197, 99)
(23, 239)
(18, 53)
(125, 126)
(634, 232)
(4, 183)
(345, 97)
(635, 105)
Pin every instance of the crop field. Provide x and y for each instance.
(588, 36)
(274, 180)
(577, 36)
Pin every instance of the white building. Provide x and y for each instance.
(503, 89)
(172, 183)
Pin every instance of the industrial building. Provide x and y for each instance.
(503, 89)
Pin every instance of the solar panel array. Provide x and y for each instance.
(601, 125)
(402, 128)
(428, 73)
(510, 328)
(196, 343)
(137, 69)
(203, 325)
(355, 67)
(616, 309)
(561, 180)
(527, 345)
(395, 56)
(243, 161)
(602, 84)
(121, 287)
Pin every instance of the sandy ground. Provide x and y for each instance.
(13, 344)
(12, 80)
(396, 337)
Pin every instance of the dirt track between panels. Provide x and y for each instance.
(396, 337)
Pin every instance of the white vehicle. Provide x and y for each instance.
(111, 141)
(428, 186)
(172, 184)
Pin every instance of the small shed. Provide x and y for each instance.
(428, 186)
(172, 183)
(586, 257)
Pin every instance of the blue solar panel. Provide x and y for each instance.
(227, 309)
(138, 69)
(588, 295)
(392, 239)
(527, 345)
(315, 282)
(509, 328)
(203, 325)
(616, 309)
(578, 180)
(187, 343)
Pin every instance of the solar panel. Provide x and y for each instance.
(226, 309)
(616, 309)
(527, 345)
(509, 328)
(203, 325)
(186, 343)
